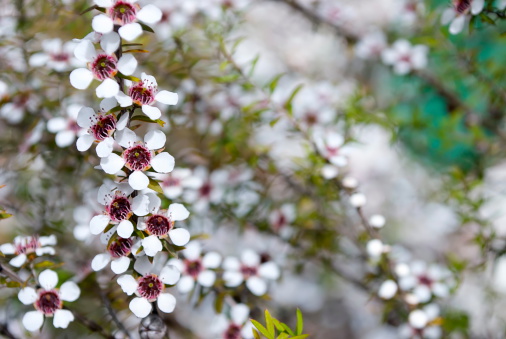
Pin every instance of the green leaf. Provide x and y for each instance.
(300, 322)
(155, 186)
(4, 215)
(136, 51)
(218, 302)
(128, 77)
(283, 336)
(13, 284)
(256, 335)
(278, 324)
(288, 103)
(287, 329)
(46, 264)
(274, 82)
(270, 324)
(253, 65)
(261, 328)
(146, 28)
(144, 118)
(92, 8)
(300, 336)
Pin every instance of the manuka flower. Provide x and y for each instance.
(404, 57)
(117, 253)
(24, 246)
(55, 55)
(66, 128)
(48, 301)
(235, 326)
(456, 15)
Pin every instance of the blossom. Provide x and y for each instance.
(371, 45)
(66, 128)
(174, 183)
(388, 289)
(330, 145)
(100, 127)
(235, 326)
(103, 66)
(160, 225)
(422, 323)
(404, 57)
(139, 157)
(22, 247)
(145, 93)
(117, 253)
(48, 301)
(281, 219)
(124, 13)
(119, 207)
(55, 55)
(211, 189)
(150, 286)
(249, 269)
(456, 15)
(196, 267)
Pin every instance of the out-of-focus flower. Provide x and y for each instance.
(330, 145)
(388, 289)
(249, 269)
(196, 267)
(235, 326)
(22, 247)
(56, 55)
(149, 287)
(456, 15)
(124, 13)
(371, 45)
(281, 219)
(174, 183)
(211, 190)
(422, 323)
(404, 57)
(48, 301)
(66, 128)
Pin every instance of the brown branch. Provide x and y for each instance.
(10, 274)
(90, 324)
(112, 313)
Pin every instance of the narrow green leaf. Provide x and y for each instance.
(300, 322)
(13, 284)
(288, 104)
(270, 324)
(137, 50)
(253, 65)
(274, 82)
(300, 336)
(283, 336)
(261, 328)
(256, 335)
(218, 302)
(278, 325)
(90, 9)
(128, 77)
(146, 28)
(287, 329)
(155, 186)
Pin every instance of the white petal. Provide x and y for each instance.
(211, 260)
(102, 24)
(163, 162)
(457, 24)
(150, 14)
(107, 89)
(231, 264)
(27, 296)
(112, 164)
(155, 139)
(104, 148)
(128, 284)
(154, 202)
(477, 6)
(418, 319)
(123, 100)
(126, 138)
(140, 205)
(131, 31)
(7, 249)
(447, 16)
(170, 275)
(239, 313)
(100, 261)
(122, 122)
(98, 223)
(179, 236)
(69, 291)
(250, 258)
(57, 124)
(186, 284)
(65, 138)
(143, 265)
(152, 245)
(107, 104)
(269, 270)
(166, 97)
(120, 265)
(423, 293)
(192, 250)
(152, 112)
(388, 289)
(232, 278)
(166, 302)
(62, 318)
(81, 78)
(103, 3)
(110, 42)
(85, 51)
(48, 279)
(125, 229)
(33, 320)
(178, 212)
(206, 278)
(84, 142)
(18, 261)
(140, 307)
(138, 180)
(256, 285)
(127, 64)
(85, 116)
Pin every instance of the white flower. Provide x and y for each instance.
(371, 45)
(251, 270)
(23, 246)
(66, 128)
(388, 289)
(330, 145)
(48, 301)
(124, 13)
(211, 189)
(55, 55)
(139, 157)
(404, 57)
(421, 324)
(145, 93)
(119, 208)
(150, 286)
(160, 225)
(456, 16)
(196, 267)
(235, 325)
(103, 66)
(281, 219)
(174, 183)
(101, 126)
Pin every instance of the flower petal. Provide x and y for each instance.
(152, 245)
(269, 270)
(140, 205)
(170, 275)
(232, 278)
(140, 307)
(110, 42)
(120, 265)
(131, 31)
(98, 223)
(56, 124)
(186, 284)
(33, 320)
(150, 14)
(84, 142)
(128, 284)
(178, 212)
(69, 291)
(65, 138)
(211, 260)
(250, 258)
(123, 100)
(166, 302)
(107, 89)
(100, 261)
(85, 116)
(81, 78)
(85, 51)
(155, 139)
(127, 64)
(163, 162)
(104, 148)
(239, 313)
(138, 180)
(179, 236)
(143, 266)
(62, 318)
(256, 285)
(122, 122)
(206, 278)
(125, 229)
(167, 98)
(126, 138)
(112, 164)
(102, 24)
(48, 279)
(27, 296)
(152, 112)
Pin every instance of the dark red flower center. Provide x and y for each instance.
(104, 66)
(205, 190)
(120, 247)
(158, 225)
(122, 12)
(233, 332)
(141, 94)
(48, 302)
(248, 271)
(425, 280)
(137, 158)
(462, 6)
(61, 57)
(193, 267)
(150, 287)
(104, 127)
(27, 245)
(120, 209)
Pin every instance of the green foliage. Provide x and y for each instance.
(275, 329)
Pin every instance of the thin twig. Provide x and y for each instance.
(10, 274)
(112, 313)
(90, 324)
